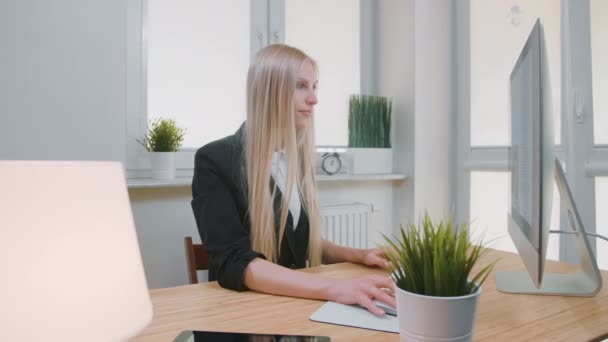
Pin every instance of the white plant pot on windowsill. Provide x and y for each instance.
(427, 318)
(371, 160)
(163, 165)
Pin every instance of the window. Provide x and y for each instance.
(188, 60)
(498, 31)
(599, 56)
(601, 200)
(489, 210)
(329, 32)
(599, 53)
(487, 206)
(497, 34)
(197, 59)
(490, 60)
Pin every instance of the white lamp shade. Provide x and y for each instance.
(71, 268)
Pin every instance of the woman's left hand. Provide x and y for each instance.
(374, 257)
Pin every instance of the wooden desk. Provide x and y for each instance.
(500, 316)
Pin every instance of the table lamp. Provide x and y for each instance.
(70, 265)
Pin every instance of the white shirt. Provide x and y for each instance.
(278, 170)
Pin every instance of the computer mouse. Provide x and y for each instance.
(387, 309)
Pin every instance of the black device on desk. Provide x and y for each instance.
(219, 336)
(387, 309)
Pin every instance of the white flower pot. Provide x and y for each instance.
(163, 165)
(371, 160)
(426, 318)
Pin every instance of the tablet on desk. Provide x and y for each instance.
(217, 336)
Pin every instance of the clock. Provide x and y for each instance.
(331, 163)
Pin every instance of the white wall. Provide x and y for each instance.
(434, 108)
(395, 65)
(163, 218)
(63, 96)
(62, 83)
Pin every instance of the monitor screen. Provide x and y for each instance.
(531, 155)
(524, 156)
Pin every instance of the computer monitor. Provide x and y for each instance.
(533, 167)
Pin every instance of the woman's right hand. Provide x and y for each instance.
(363, 291)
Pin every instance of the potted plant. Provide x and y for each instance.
(163, 139)
(436, 292)
(369, 134)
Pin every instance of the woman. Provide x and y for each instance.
(255, 236)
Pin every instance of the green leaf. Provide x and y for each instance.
(369, 121)
(163, 135)
(436, 259)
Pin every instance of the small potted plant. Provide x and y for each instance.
(436, 293)
(163, 139)
(369, 134)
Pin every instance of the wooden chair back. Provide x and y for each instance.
(196, 257)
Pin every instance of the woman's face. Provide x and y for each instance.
(305, 95)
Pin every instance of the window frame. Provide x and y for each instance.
(267, 27)
(584, 160)
(137, 162)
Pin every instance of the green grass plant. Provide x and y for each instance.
(436, 259)
(163, 136)
(369, 121)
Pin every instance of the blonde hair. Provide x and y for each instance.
(271, 83)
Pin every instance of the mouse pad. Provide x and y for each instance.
(354, 316)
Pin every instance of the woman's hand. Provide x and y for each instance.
(363, 291)
(374, 257)
(333, 253)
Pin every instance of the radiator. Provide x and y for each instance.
(346, 224)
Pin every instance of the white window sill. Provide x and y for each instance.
(362, 178)
(141, 183)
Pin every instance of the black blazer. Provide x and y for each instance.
(220, 205)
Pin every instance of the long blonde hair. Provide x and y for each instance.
(271, 83)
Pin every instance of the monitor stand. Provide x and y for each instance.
(585, 282)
